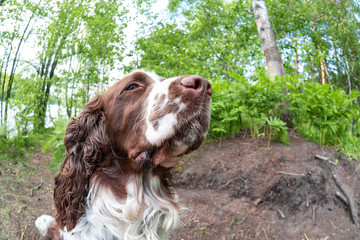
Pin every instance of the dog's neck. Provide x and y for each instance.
(149, 211)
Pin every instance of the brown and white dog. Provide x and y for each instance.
(115, 181)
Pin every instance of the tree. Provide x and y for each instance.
(271, 51)
(216, 40)
(55, 40)
(21, 19)
(14, 65)
(79, 42)
(101, 46)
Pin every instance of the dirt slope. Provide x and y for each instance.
(26, 191)
(233, 190)
(241, 191)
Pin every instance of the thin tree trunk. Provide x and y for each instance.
(337, 62)
(8, 93)
(13, 68)
(3, 85)
(296, 55)
(47, 73)
(45, 93)
(267, 37)
(322, 67)
(2, 88)
(322, 63)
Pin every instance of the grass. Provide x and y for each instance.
(203, 229)
(233, 225)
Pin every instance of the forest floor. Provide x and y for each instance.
(234, 188)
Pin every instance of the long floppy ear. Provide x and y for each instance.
(86, 139)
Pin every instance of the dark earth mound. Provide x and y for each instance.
(233, 189)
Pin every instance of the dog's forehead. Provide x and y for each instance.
(152, 75)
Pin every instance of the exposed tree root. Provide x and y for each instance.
(343, 188)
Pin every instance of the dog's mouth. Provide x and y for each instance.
(160, 156)
(185, 136)
(166, 155)
(170, 152)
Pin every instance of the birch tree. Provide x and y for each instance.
(267, 37)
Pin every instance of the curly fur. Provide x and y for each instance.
(86, 139)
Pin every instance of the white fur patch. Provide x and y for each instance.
(43, 222)
(165, 129)
(147, 212)
(167, 123)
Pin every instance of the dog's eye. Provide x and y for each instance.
(132, 87)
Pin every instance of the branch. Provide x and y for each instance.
(343, 188)
(292, 174)
(35, 189)
(347, 194)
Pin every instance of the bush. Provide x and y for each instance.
(327, 116)
(240, 105)
(320, 114)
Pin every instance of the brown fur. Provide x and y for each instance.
(52, 232)
(86, 140)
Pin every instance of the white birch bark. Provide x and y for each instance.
(266, 34)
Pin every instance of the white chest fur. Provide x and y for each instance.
(147, 212)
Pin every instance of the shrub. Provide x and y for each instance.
(320, 114)
(327, 116)
(239, 105)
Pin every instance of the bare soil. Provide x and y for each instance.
(234, 188)
(26, 192)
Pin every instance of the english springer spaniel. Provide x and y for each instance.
(115, 181)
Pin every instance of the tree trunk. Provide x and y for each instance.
(45, 92)
(296, 55)
(2, 89)
(271, 51)
(3, 85)
(8, 91)
(266, 34)
(322, 67)
(322, 61)
(43, 107)
(13, 69)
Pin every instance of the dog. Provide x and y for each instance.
(115, 181)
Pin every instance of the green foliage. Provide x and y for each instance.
(211, 42)
(239, 105)
(277, 130)
(55, 142)
(19, 147)
(324, 115)
(226, 109)
(330, 117)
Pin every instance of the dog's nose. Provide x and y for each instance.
(197, 84)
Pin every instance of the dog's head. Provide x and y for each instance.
(154, 120)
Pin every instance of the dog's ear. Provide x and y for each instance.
(86, 139)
